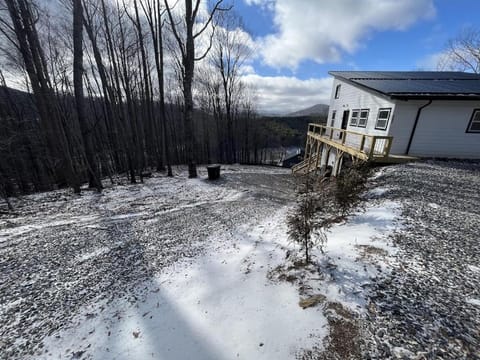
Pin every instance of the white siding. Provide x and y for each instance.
(352, 97)
(401, 124)
(441, 129)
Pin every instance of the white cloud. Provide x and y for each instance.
(282, 94)
(434, 62)
(322, 30)
(247, 69)
(265, 4)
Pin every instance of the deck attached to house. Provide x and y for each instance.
(360, 146)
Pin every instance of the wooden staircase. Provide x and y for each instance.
(306, 166)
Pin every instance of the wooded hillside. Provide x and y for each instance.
(125, 87)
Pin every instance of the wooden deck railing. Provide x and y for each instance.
(356, 143)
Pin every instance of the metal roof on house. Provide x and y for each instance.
(416, 84)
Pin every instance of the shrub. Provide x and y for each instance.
(349, 185)
(322, 203)
(306, 225)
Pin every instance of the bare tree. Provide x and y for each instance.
(186, 46)
(148, 126)
(229, 52)
(107, 91)
(154, 14)
(248, 126)
(94, 176)
(462, 52)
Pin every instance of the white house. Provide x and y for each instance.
(428, 114)
(395, 116)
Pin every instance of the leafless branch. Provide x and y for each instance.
(173, 26)
(210, 18)
(209, 46)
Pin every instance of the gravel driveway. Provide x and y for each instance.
(61, 252)
(429, 306)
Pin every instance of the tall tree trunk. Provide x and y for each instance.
(108, 93)
(121, 111)
(147, 99)
(92, 167)
(161, 89)
(186, 47)
(189, 68)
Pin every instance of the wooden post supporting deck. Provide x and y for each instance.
(310, 154)
(362, 143)
(338, 162)
(388, 146)
(319, 154)
(372, 148)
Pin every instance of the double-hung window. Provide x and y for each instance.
(474, 125)
(337, 91)
(382, 118)
(354, 118)
(362, 120)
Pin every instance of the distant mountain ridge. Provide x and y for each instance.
(315, 110)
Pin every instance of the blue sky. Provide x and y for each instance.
(298, 42)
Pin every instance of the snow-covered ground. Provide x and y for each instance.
(190, 269)
(222, 305)
(217, 306)
(177, 269)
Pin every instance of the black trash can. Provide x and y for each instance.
(213, 172)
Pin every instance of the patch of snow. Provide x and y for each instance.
(232, 196)
(472, 301)
(474, 268)
(21, 230)
(8, 233)
(402, 353)
(379, 173)
(377, 192)
(126, 216)
(93, 254)
(346, 245)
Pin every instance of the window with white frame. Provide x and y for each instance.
(334, 113)
(354, 118)
(337, 91)
(362, 120)
(474, 124)
(382, 118)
